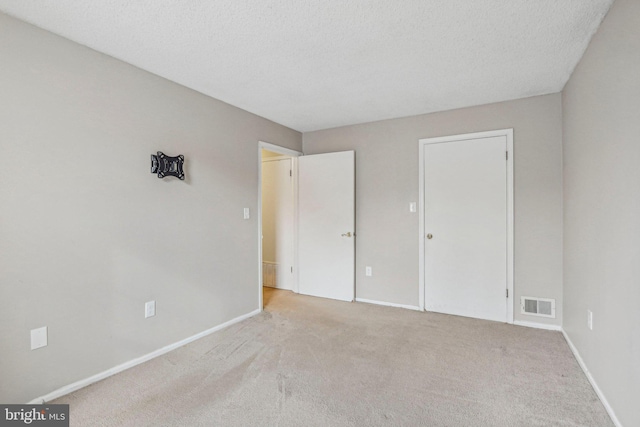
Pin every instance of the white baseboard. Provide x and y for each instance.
(130, 364)
(389, 304)
(537, 325)
(603, 399)
(282, 288)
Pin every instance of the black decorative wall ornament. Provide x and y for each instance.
(164, 165)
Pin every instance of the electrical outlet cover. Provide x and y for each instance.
(39, 338)
(149, 309)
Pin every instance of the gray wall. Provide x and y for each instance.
(601, 109)
(387, 181)
(87, 234)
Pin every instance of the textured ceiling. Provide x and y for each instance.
(317, 64)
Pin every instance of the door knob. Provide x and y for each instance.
(347, 234)
(429, 236)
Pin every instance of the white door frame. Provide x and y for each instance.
(294, 168)
(510, 212)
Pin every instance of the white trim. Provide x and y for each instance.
(421, 249)
(538, 325)
(599, 392)
(510, 221)
(389, 304)
(296, 270)
(508, 133)
(137, 361)
(294, 169)
(275, 158)
(278, 149)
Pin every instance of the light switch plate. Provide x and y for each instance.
(368, 271)
(412, 207)
(39, 338)
(247, 213)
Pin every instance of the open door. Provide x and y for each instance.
(326, 235)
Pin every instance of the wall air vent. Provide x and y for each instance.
(269, 274)
(544, 307)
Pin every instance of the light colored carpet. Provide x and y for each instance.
(314, 362)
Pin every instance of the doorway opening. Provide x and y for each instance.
(307, 241)
(277, 218)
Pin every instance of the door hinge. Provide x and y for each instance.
(290, 172)
(507, 293)
(507, 153)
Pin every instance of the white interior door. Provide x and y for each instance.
(277, 223)
(466, 223)
(326, 235)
